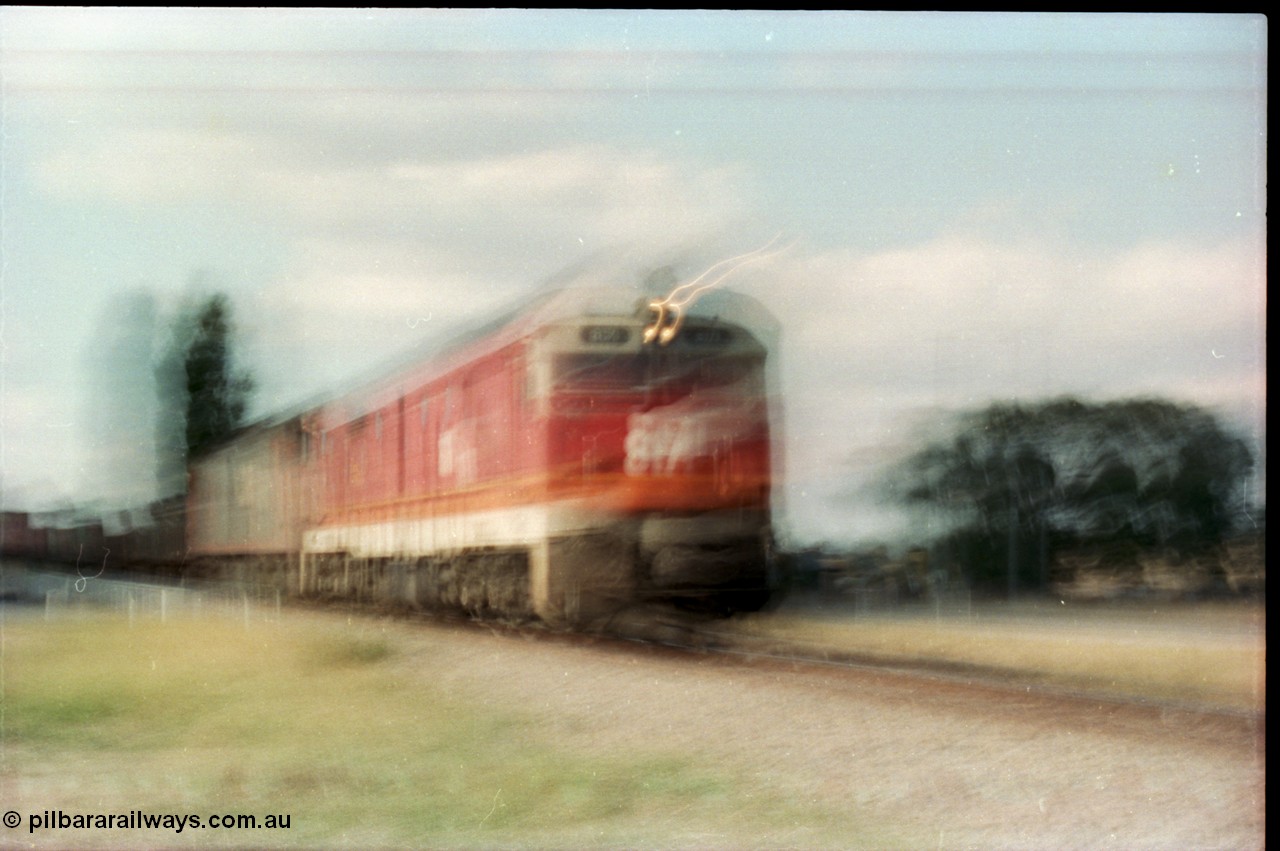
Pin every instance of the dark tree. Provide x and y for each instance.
(1017, 481)
(203, 397)
(217, 395)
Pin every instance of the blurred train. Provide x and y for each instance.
(564, 463)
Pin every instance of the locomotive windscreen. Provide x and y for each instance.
(665, 373)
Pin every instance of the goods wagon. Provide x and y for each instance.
(153, 539)
(149, 539)
(247, 503)
(71, 541)
(19, 538)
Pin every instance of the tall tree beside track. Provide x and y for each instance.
(203, 395)
(217, 394)
(1017, 481)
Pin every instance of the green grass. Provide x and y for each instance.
(310, 720)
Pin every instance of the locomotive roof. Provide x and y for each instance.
(545, 308)
(434, 357)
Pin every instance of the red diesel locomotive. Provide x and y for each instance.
(561, 464)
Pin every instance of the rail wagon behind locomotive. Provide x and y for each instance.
(248, 502)
(20, 538)
(555, 464)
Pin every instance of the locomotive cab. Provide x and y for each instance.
(669, 446)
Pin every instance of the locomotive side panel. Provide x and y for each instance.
(418, 438)
(441, 448)
(448, 513)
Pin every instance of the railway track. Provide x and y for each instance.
(705, 639)
(678, 634)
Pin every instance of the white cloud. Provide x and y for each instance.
(996, 302)
(873, 341)
(585, 195)
(1184, 290)
(153, 165)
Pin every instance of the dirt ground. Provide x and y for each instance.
(955, 766)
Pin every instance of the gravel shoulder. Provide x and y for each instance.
(948, 764)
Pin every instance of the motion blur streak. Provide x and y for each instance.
(678, 300)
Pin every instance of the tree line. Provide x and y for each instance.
(1013, 485)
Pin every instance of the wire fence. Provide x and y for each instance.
(33, 591)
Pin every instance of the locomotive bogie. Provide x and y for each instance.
(483, 583)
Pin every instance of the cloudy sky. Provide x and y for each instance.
(982, 206)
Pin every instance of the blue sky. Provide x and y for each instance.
(984, 206)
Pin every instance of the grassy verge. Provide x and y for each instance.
(1197, 654)
(308, 720)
